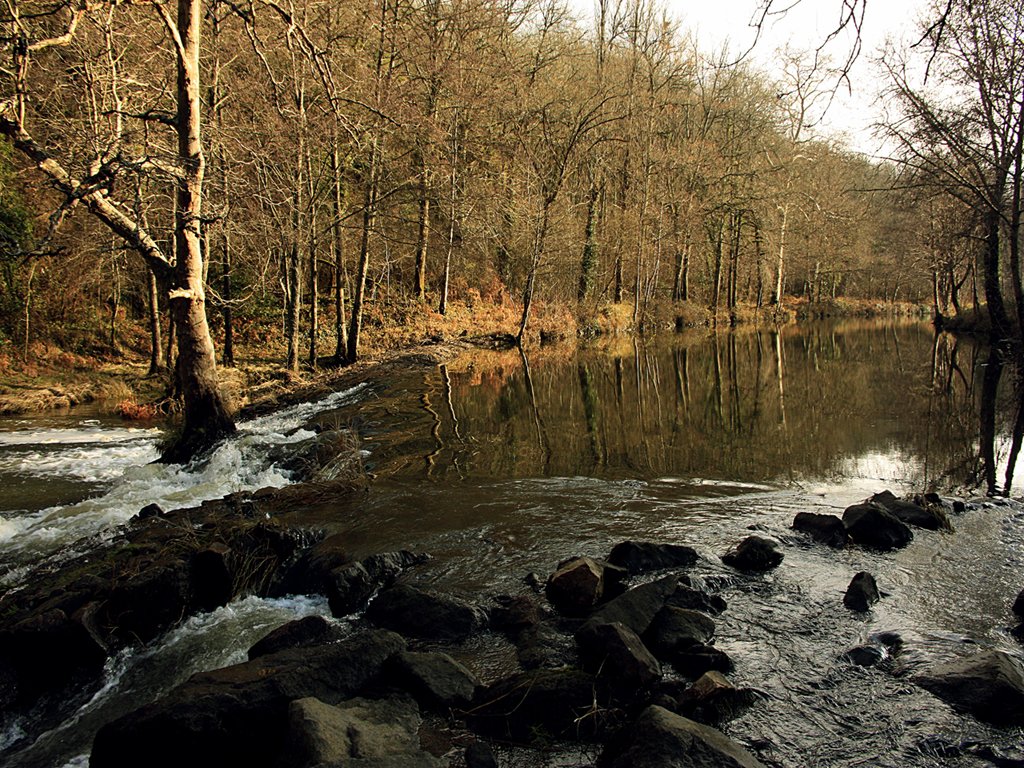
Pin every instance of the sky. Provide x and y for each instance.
(806, 25)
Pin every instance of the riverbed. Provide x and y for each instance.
(502, 464)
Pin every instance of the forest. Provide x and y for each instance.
(309, 173)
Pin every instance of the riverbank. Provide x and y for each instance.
(55, 379)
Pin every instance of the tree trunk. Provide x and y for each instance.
(362, 268)
(588, 261)
(993, 292)
(780, 262)
(314, 297)
(531, 278)
(206, 419)
(422, 229)
(157, 361)
(337, 209)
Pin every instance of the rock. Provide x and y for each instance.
(930, 517)
(416, 613)
(754, 553)
(642, 556)
(615, 653)
(301, 633)
(513, 615)
(150, 510)
(480, 755)
(146, 604)
(546, 646)
(824, 529)
(310, 573)
(696, 600)
(577, 586)
(354, 731)
(349, 587)
(713, 699)
(866, 655)
(694, 661)
(211, 578)
(1018, 605)
(238, 715)
(636, 608)
(989, 686)
(871, 526)
(436, 680)
(542, 706)
(678, 629)
(46, 652)
(862, 592)
(661, 739)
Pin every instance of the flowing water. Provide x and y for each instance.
(500, 466)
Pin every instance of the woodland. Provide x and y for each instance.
(291, 177)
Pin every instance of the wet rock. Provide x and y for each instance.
(824, 529)
(713, 699)
(677, 629)
(310, 573)
(866, 655)
(301, 633)
(238, 715)
(871, 526)
(546, 646)
(436, 680)
(931, 517)
(349, 587)
(661, 739)
(514, 614)
(150, 510)
(696, 600)
(754, 553)
(636, 608)
(615, 653)
(211, 579)
(642, 556)
(989, 686)
(416, 613)
(480, 755)
(862, 592)
(696, 660)
(576, 587)
(1018, 605)
(147, 603)
(43, 653)
(381, 731)
(542, 706)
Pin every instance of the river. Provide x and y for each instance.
(500, 465)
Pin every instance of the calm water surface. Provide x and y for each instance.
(501, 465)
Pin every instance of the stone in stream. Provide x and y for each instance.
(480, 755)
(696, 660)
(238, 715)
(678, 629)
(932, 517)
(435, 680)
(349, 587)
(713, 699)
(635, 608)
(548, 645)
(310, 630)
(824, 529)
(513, 614)
(580, 584)
(754, 553)
(862, 592)
(356, 732)
(661, 739)
(1018, 605)
(872, 526)
(696, 600)
(865, 655)
(416, 613)
(614, 653)
(642, 556)
(988, 685)
(212, 577)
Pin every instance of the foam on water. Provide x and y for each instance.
(123, 459)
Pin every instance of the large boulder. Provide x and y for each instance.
(696, 600)
(862, 592)
(872, 527)
(416, 613)
(615, 653)
(436, 680)
(824, 529)
(642, 556)
(382, 731)
(238, 715)
(989, 685)
(930, 516)
(661, 739)
(150, 601)
(636, 608)
(349, 587)
(542, 706)
(754, 553)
